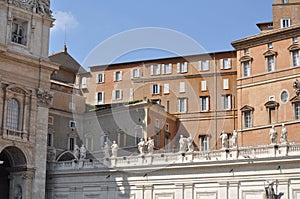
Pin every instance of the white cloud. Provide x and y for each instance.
(64, 20)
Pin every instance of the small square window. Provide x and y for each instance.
(72, 124)
(270, 45)
(295, 39)
(246, 51)
(285, 22)
(117, 76)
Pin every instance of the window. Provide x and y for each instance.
(226, 102)
(204, 65)
(246, 51)
(167, 127)
(117, 94)
(50, 120)
(166, 68)
(103, 139)
(182, 87)
(270, 63)
(71, 143)
(166, 88)
(72, 124)
(100, 78)
(100, 98)
(157, 123)
(168, 106)
(204, 142)
(270, 45)
(284, 96)
(247, 119)
(131, 94)
(83, 82)
(135, 73)
(246, 68)
(204, 103)
(272, 111)
(247, 113)
(225, 63)
(285, 1)
(117, 76)
(285, 22)
(295, 58)
(295, 39)
(182, 67)
(225, 84)
(13, 114)
(155, 69)
(50, 139)
(297, 110)
(203, 85)
(182, 105)
(72, 106)
(19, 32)
(155, 89)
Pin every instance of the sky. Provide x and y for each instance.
(85, 25)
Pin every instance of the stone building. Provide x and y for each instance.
(25, 96)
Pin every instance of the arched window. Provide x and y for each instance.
(13, 111)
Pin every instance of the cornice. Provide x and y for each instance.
(267, 37)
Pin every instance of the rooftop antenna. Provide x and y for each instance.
(65, 41)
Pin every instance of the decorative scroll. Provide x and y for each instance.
(44, 97)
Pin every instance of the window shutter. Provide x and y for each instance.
(225, 84)
(223, 101)
(102, 98)
(131, 73)
(201, 103)
(138, 72)
(170, 68)
(103, 78)
(178, 67)
(163, 69)
(221, 64)
(200, 65)
(113, 95)
(229, 63)
(131, 94)
(203, 85)
(184, 105)
(158, 68)
(182, 87)
(115, 76)
(151, 68)
(185, 67)
(229, 102)
(158, 89)
(121, 94)
(166, 88)
(178, 105)
(207, 103)
(121, 75)
(97, 78)
(96, 98)
(151, 88)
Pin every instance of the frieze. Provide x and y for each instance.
(44, 97)
(37, 6)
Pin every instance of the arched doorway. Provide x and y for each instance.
(12, 170)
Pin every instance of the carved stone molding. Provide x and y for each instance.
(41, 7)
(44, 97)
(296, 86)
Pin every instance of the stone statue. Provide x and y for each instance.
(106, 150)
(284, 134)
(82, 152)
(190, 144)
(18, 192)
(76, 151)
(141, 146)
(114, 149)
(43, 7)
(270, 193)
(182, 144)
(234, 139)
(224, 138)
(296, 86)
(273, 135)
(150, 145)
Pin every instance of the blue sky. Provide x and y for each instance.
(213, 24)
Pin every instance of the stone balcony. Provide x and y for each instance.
(163, 159)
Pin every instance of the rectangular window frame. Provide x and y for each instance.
(270, 61)
(204, 65)
(246, 68)
(204, 103)
(166, 69)
(100, 78)
(118, 76)
(226, 102)
(295, 58)
(182, 104)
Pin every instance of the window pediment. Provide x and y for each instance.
(247, 108)
(295, 99)
(246, 58)
(294, 47)
(270, 53)
(271, 104)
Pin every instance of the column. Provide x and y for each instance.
(148, 192)
(233, 190)
(44, 99)
(188, 191)
(179, 191)
(27, 184)
(223, 190)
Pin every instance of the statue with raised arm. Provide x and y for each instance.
(76, 151)
(182, 144)
(284, 135)
(114, 149)
(82, 152)
(106, 150)
(224, 139)
(141, 146)
(150, 145)
(273, 135)
(234, 139)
